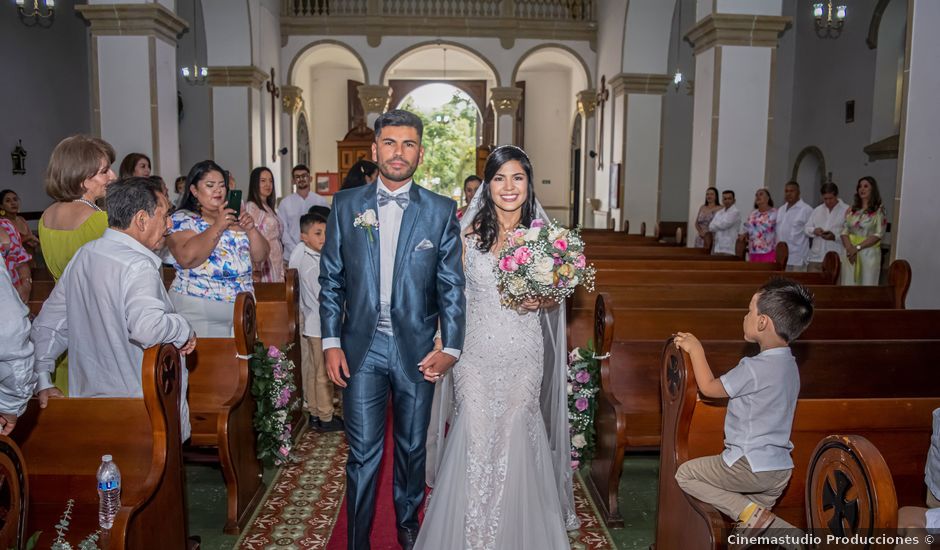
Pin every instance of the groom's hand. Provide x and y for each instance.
(435, 364)
(336, 362)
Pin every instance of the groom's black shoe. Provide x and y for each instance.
(407, 538)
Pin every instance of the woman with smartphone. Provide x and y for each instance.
(214, 243)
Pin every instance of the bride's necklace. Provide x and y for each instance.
(88, 203)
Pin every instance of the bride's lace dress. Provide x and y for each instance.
(495, 488)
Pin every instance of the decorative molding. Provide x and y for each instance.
(882, 149)
(239, 75)
(505, 99)
(292, 100)
(640, 83)
(375, 27)
(731, 29)
(150, 19)
(587, 102)
(374, 97)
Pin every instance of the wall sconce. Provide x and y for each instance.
(828, 25)
(19, 159)
(39, 15)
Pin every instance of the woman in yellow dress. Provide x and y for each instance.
(78, 174)
(865, 225)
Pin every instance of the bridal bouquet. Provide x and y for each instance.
(544, 261)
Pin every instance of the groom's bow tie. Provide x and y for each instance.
(402, 199)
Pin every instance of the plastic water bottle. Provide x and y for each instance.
(109, 492)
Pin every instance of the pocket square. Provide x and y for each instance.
(424, 245)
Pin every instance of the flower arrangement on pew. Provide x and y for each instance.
(583, 385)
(545, 261)
(275, 398)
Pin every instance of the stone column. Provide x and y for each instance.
(505, 102)
(915, 212)
(375, 99)
(587, 105)
(735, 57)
(133, 66)
(292, 103)
(638, 105)
(236, 125)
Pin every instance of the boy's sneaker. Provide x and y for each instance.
(314, 422)
(759, 521)
(335, 424)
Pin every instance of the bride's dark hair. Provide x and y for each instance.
(485, 225)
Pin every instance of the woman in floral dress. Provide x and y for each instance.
(865, 225)
(761, 229)
(214, 252)
(261, 207)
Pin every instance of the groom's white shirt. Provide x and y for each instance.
(389, 228)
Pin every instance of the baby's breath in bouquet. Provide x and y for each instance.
(544, 260)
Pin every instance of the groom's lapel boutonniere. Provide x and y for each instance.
(367, 220)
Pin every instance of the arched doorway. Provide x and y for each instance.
(809, 170)
(452, 124)
(303, 141)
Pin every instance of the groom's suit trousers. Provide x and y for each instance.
(365, 402)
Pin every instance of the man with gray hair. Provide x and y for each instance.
(110, 304)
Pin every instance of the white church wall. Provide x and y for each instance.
(195, 123)
(828, 73)
(548, 118)
(47, 94)
(119, 61)
(325, 94)
(677, 124)
(267, 56)
(779, 159)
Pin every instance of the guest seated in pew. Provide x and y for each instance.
(745, 481)
(17, 378)
(110, 304)
(318, 389)
(915, 517)
(214, 248)
(725, 225)
(761, 229)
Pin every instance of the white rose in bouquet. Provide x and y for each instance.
(532, 234)
(578, 440)
(516, 286)
(542, 270)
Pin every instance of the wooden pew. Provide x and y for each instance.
(851, 465)
(221, 412)
(880, 390)
(606, 277)
(892, 295)
(15, 483)
(63, 443)
(278, 307)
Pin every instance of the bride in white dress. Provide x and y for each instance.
(503, 478)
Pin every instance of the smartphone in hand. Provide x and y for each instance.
(235, 201)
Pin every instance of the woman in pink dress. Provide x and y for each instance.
(260, 206)
(761, 229)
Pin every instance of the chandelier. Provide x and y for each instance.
(39, 16)
(828, 23)
(195, 75)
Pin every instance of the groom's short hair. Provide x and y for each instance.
(398, 117)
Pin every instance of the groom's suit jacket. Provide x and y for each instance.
(428, 279)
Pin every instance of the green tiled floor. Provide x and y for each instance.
(638, 488)
(207, 503)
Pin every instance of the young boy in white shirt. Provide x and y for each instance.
(318, 389)
(745, 480)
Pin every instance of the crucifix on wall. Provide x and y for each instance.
(602, 96)
(275, 92)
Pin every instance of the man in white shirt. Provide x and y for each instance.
(825, 226)
(294, 206)
(17, 378)
(791, 226)
(725, 225)
(110, 304)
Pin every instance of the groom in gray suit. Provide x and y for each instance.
(390, 274)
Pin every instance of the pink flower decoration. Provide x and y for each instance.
(508, 264)
(580, 261)
(560, 244)
(537, 223)
(284, 451)
(574, 355)
(581, 404)
(522, 255)
(575, 464)
(583, 376)
(273, 352)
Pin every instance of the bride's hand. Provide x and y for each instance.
(530, 304)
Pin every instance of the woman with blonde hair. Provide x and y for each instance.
(79, 172)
